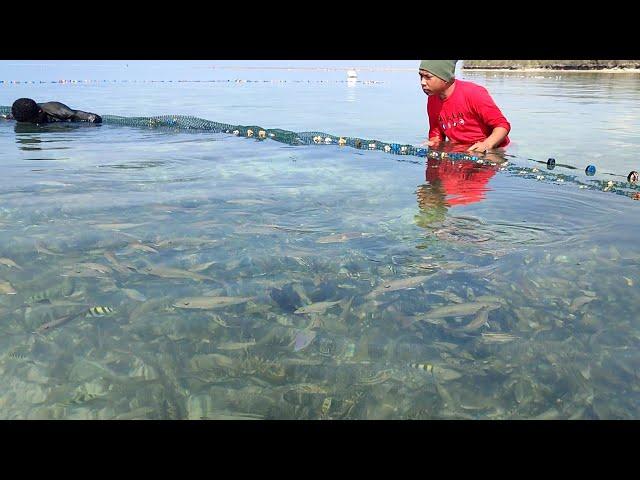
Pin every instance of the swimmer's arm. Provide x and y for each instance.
(81, 116)
(63, 112)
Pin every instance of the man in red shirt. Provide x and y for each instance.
(460, 111)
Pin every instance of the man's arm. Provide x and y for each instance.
(491, 115)
(496, 138)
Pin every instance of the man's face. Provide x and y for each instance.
(430, 83)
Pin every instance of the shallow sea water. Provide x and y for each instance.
(253, 279)
(157, 274)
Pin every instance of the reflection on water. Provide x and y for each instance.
(462, 182)
(174, 275)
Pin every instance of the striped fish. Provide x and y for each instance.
(99, 311)
(422, 366)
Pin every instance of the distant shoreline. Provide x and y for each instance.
(464, 69)
(553, 70)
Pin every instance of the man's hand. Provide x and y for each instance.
(496, 138)
(432, 142)
(483, 147)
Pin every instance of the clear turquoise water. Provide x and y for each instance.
(392, 274)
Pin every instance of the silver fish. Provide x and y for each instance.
(168, 272)
(118, 226)
(379, 377)
(96, 266)
(341, 237)
(200, 267)
(186, 241)
(445, 374)
(134, 294)
(248, 202)
(481, 319)
(579, 302)
(142, 247)
(498, 337)
(318, 307)
(119, 267)
(346, 310)
(209, 303)
(9, 263)
(402, 284)
(6, 288)
(235, 345)
(458, 310)
(40, 248)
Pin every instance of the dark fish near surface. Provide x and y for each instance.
(55, 323)
(97, 311)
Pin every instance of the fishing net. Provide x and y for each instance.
(184, 122)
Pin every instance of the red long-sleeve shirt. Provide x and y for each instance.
(468, 116)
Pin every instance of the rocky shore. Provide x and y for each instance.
(546, 65)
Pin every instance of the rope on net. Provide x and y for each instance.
(184, 122)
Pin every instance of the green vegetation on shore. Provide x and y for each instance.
(551, 64)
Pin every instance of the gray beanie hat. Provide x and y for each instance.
(444, 69)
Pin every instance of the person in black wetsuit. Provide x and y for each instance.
(27, 110)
